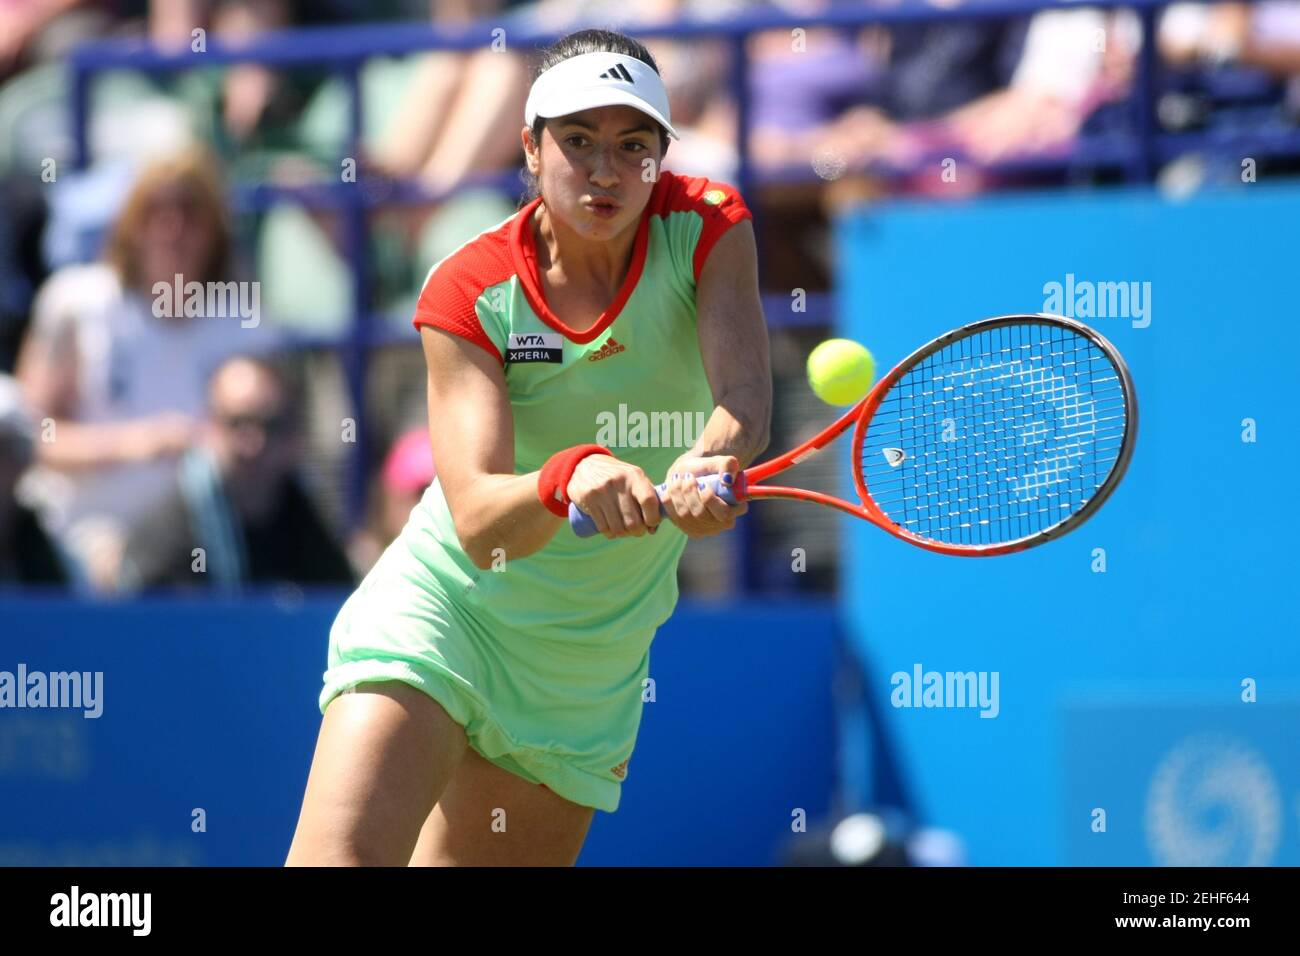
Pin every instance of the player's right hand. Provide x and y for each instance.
(618, 496)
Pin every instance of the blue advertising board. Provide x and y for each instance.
(1179, 592)
(188, 734)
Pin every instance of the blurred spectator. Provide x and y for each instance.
(236, 514)
(1232, 66)
(1264, 35)
(986, 90)
(862, 90)
(408, 471)
(27, 555)
(22, 218)
(799, 89)
(121, 379)
(248, 89)
(28, 25)
(1061, 77)
(696, 73)
(461, 112)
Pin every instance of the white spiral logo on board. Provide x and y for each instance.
(1213, 802)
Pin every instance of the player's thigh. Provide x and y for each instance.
(487, 816)
(385, 753)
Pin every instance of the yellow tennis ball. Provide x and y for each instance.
(841, 371)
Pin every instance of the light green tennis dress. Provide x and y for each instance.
(543, 659)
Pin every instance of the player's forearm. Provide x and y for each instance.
(739, 424)
(501, 518)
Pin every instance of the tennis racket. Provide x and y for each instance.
(996, 437)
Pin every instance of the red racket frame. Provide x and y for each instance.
(862, 412)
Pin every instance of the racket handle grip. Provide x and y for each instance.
(584, 527)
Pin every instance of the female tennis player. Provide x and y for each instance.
(485, 680)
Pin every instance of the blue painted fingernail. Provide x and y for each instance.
(726, 478)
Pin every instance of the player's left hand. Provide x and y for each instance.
(701, 513)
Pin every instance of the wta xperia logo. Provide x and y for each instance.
(535, 347)
(55, 690)
(1085, 299)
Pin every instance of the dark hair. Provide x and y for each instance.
(576, 44)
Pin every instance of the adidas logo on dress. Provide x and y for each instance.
(611, 347)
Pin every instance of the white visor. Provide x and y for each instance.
(599, 79)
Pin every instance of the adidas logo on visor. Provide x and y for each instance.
(618, 72)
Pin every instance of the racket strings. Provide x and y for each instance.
(997, 435)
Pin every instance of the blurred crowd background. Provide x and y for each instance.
(125, 436)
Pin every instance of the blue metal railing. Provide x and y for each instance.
(347, 48)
